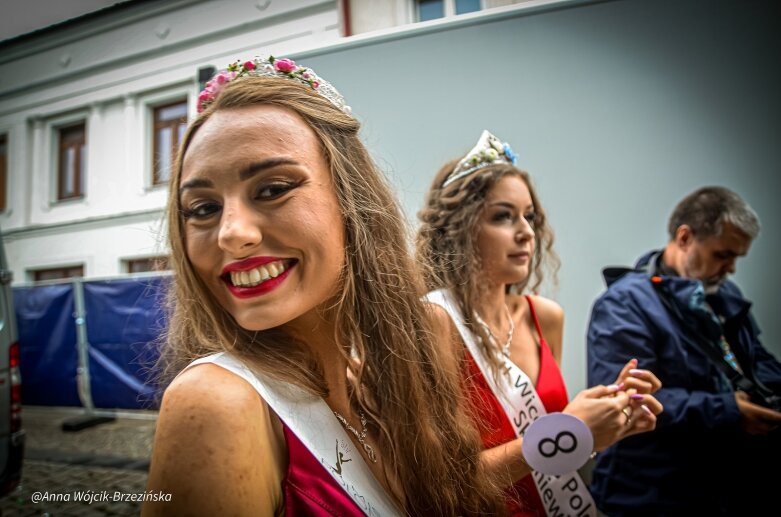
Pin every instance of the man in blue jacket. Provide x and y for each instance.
(680, 317)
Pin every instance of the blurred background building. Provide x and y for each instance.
(92, 110)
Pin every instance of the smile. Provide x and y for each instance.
(256, 276)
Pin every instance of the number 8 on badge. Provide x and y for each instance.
(557, 444)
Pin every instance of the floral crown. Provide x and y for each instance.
(488, 151)
(271, 67)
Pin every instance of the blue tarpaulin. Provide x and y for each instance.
(47, 344)
(123, 319)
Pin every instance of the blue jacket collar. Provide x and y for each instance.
(728, 301)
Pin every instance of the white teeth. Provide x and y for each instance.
(255, 276)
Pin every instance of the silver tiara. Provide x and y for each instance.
(271, 67)
(488, 151)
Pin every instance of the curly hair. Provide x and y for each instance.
(408, 388)
(446, 243)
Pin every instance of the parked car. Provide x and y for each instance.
(11, 432)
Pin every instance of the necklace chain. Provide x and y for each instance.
(361, 436)
(505, 349)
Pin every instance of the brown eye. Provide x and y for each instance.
(274, 190)
(201, 210)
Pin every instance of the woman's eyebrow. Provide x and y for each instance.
(257, 167)
(195, 183)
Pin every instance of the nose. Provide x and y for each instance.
(525, 231)
(730, 267)
(239, 229)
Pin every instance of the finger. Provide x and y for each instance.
(649, 401)
(601, 390)
(632, 363)
(646, 376)
(640, 385)
(742, 395)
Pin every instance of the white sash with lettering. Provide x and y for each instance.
(564, 495)
(313, 422)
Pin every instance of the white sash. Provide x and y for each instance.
(313, 422)
(564, 495)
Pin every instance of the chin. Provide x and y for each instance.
(713, 288)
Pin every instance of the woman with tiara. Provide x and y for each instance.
(484, 236)
(309, 381)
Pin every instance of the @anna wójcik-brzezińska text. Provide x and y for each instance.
(100, 496)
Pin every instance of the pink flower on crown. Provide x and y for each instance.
(315, 85)
(285, 65)
(249, 65)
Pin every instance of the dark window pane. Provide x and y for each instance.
(147, 264)
(3, 169)
(467, 6)
(163, 158)
(72, 161)
(430, 10)
(58, 273)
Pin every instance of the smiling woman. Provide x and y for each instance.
(307, 377)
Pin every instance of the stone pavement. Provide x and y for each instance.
(82, 473)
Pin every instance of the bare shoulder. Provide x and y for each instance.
(445, 332)
(549, 312)
(214, 446)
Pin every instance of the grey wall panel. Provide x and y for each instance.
(618, 109)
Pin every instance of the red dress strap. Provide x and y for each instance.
(534, 317)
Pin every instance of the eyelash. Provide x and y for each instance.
(281, 189)
(530, 217)
(196, 211)
(207, 209)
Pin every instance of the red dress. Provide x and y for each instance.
(309, 489)
(496, 429)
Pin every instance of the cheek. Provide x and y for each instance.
(199, 249)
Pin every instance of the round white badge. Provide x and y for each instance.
(557, 444)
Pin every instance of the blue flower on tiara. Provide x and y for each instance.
(488, 151)
(508, 152)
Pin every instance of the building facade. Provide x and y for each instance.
(92, 111)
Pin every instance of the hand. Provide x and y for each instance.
(601, 408)
(643, 381)
(643, 409)
(756, 419)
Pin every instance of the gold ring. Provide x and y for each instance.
(628, 414)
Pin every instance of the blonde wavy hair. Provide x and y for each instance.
(446, 242)
(407, 387)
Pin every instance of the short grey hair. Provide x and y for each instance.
(707, 209)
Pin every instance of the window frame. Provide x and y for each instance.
(66, 269)
(80, 169)
(448, 10)
(174, 125)
(155, 260)
(4, 172)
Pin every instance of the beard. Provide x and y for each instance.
(712, 286)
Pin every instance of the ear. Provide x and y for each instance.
(684, 236)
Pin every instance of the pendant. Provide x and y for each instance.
(370, 452)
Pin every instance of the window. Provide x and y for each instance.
(169, 121)
(58, 273)
(433, 9)
(72, 161)
(3, 169)
(147, 264)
